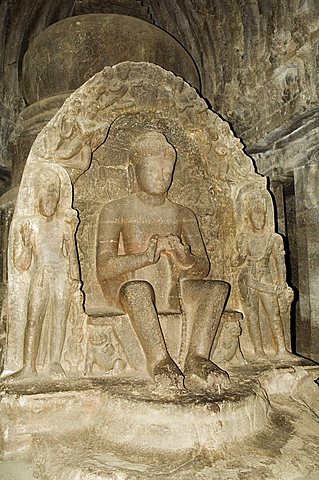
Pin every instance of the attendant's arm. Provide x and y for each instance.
(277, 263)
(242, 251)
(109, 263)
(69, 249)
(23, 251)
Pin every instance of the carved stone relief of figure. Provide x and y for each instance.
(46, 248)
(262, 281)
(227, 351)
(104, 351)
(74, 138)
(161, 268)
(151, 259)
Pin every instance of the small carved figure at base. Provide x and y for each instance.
(104, 352)
(227, 351)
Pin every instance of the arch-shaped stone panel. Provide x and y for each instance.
(87, 144)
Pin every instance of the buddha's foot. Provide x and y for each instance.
(55, 370)
(25, 373)
(168, 375)
(203, 376)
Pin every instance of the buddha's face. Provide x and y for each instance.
(154, 174)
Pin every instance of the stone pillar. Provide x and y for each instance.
(277, 189)
(306, 179)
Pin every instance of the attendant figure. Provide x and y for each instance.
(262, 280)
(47, 249)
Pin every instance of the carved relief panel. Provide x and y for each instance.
(79, 163)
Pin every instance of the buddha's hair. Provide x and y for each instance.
(149, 144)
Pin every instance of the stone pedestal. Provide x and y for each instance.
(133, 420)
(306, 180)
(103, 429)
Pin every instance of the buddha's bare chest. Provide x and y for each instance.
(138, 228)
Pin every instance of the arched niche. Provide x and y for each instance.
(87, 144)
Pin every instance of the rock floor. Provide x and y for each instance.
(286, 449)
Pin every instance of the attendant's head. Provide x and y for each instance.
(258, 212)
(48, 193)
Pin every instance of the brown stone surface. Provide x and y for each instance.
(253, 432)
(133, 8)
(257, 63)
(258, 66)
(135, 236)
(47, 70)
(259, 69)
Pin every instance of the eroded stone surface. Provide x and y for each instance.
(81, 35)
(251, 432)
(79, 166)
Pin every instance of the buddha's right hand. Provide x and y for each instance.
(152, 254)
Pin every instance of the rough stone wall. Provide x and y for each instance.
(20, 22)
(258, 60)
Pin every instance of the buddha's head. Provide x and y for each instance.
(154, 160)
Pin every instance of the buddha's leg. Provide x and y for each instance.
(203, 304)
(137, 300)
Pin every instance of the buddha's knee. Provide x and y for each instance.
(136, 290)
(219, 287)
(206, 288)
